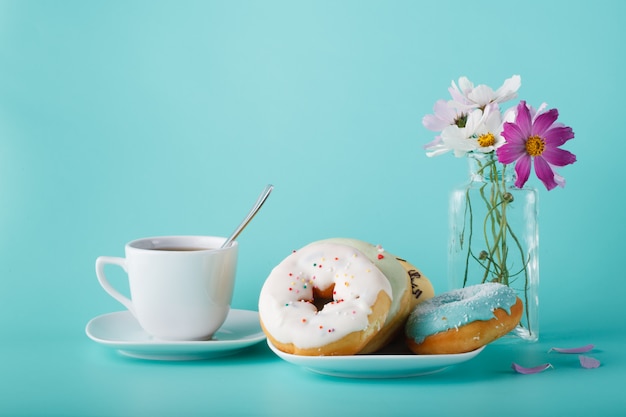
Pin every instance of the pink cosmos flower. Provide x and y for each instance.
(535, 136)
(445, 115)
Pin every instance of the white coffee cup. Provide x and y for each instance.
(181, 287)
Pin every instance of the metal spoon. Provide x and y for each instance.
(266, 192)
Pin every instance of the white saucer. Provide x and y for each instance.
(377, 365)
(121, 331)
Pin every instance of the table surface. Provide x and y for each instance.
(71, 375)
(126, 119)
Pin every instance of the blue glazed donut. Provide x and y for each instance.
(463, 320)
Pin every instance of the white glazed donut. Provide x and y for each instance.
(400, 281)
(324, 299)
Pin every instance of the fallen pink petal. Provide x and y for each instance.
(534, 370)
(588, 362)
(581, 349)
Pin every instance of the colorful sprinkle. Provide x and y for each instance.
(381, 256)
(303, 320)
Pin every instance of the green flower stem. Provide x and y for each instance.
(497, 232)
(524, 270)
(468, 208)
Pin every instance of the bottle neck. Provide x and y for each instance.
(486, 168)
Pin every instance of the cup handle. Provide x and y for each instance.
(101, 261)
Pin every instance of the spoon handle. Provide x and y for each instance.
(259, 202)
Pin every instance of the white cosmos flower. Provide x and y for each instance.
(480, 134)
(487, 132)
(467, 96)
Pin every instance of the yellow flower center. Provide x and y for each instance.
(488, 139)
(535, 145)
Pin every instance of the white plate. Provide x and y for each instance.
(121, 331)
(377, 365)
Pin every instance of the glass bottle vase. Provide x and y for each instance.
(494, 237)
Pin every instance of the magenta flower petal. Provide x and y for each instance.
(522, 170)
(558, 157)
(588, 362)
(581, 349)
(544, 121)
(510, 152)
(523, 119)
(527, 371)
(513, 134)
(544, 173)
(558, 135)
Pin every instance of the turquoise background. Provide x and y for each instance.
(126, 119)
